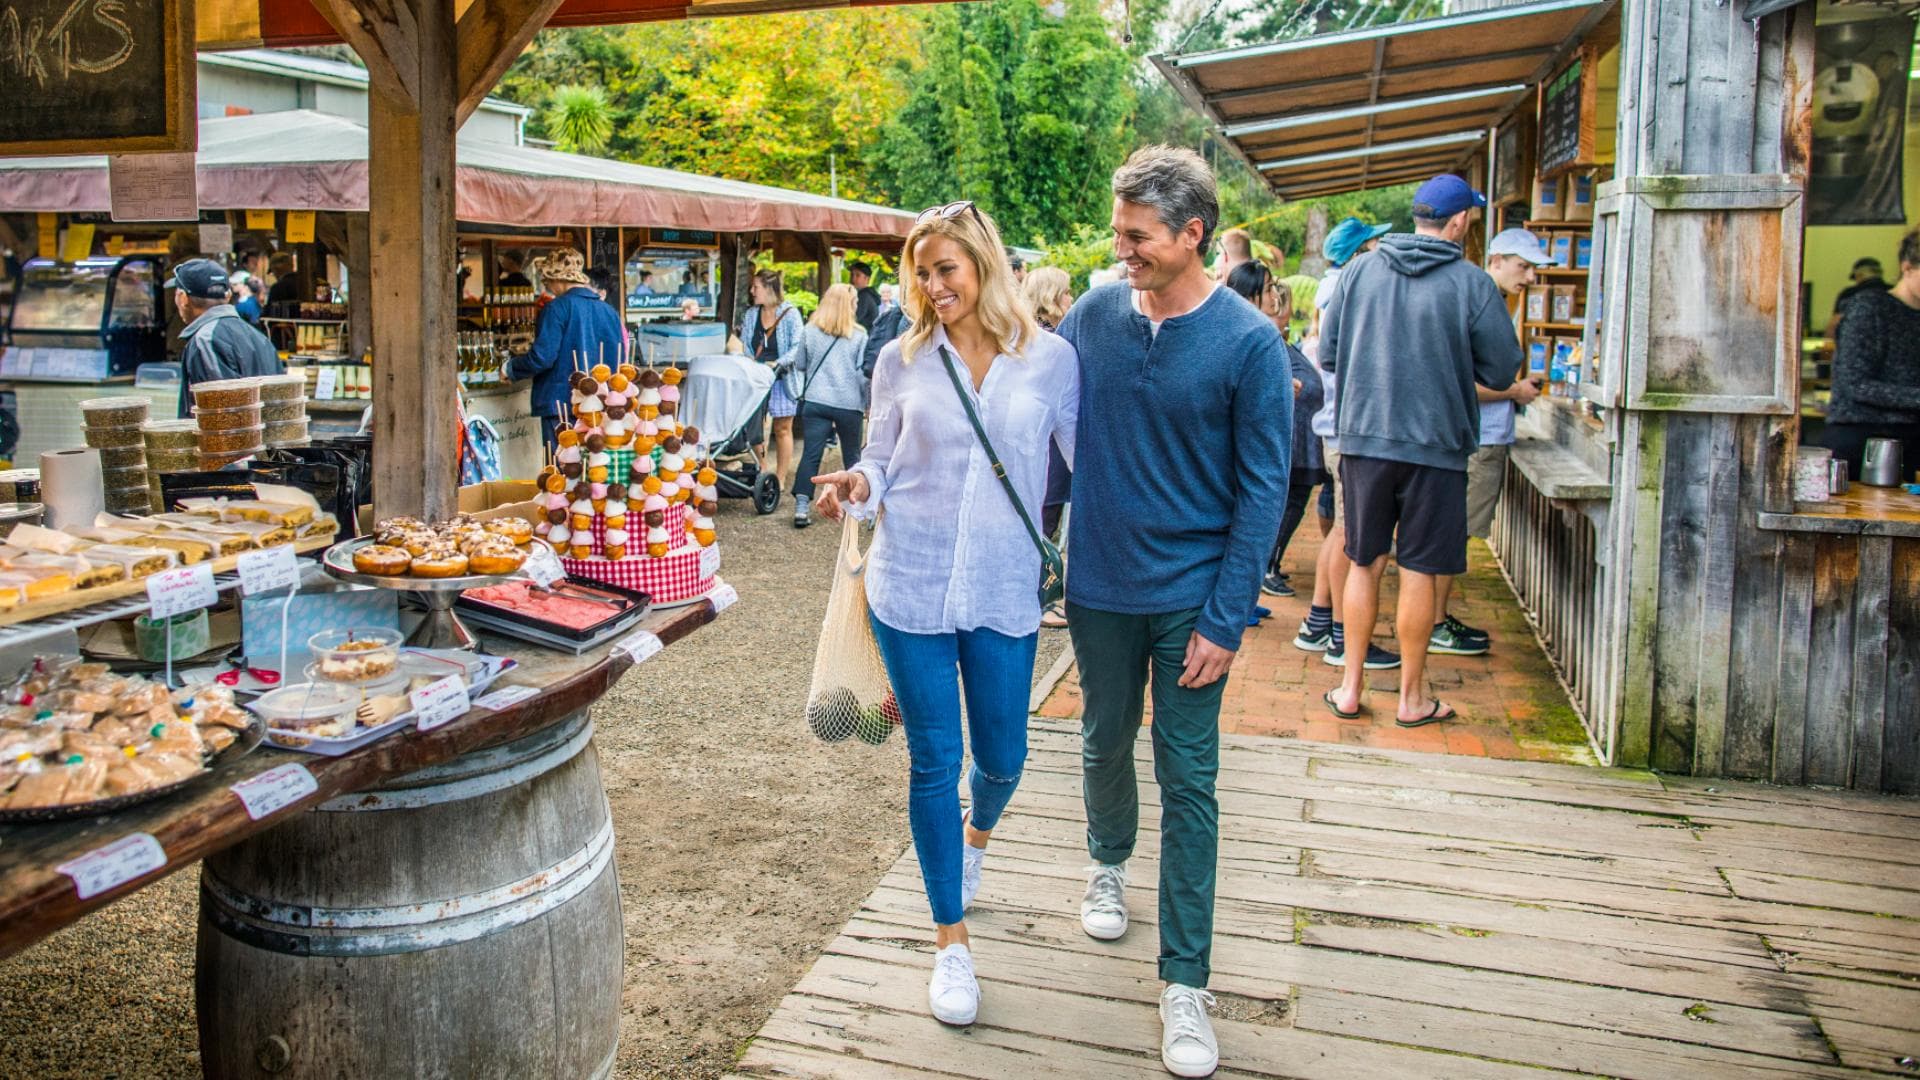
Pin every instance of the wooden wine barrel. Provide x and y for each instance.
(463, 921)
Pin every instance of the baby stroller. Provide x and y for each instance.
(728, 394)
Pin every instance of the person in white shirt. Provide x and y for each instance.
(952, 579)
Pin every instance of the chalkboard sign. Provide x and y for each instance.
(96, 76)
(1566, 137)
(604, 250)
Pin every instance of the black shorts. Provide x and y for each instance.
(1426, 503)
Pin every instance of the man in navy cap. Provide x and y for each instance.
(218, 343)
(1411, 330)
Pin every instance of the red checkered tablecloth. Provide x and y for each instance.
(685, 573)
(674, 520)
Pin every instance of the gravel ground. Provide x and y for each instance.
(743, 845)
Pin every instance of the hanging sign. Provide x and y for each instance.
(1566, 119)
(260, 219)
(299, 226)
(47, 228)
(79, 243)
(153, 187)
(96, 76)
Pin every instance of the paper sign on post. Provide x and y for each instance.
(440, 702)
(275, 790)
(543, 566)
(323, 385)
(260, 219)
(116, 864)
(216, 240)
(507, 697)
(639, 645)
(299, 226)
(722, 597)
(79, 243)
(153, 187)
(47, 240)
(180, 590)
(269, 569)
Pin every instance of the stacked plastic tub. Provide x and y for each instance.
(283, 409)
(172, 446)
(229, 417)
(112, 426)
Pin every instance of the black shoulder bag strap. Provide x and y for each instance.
(1052, 567)
(801, 399)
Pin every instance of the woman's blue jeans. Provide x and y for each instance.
(928, 673)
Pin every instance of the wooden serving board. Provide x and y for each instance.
(75, 599)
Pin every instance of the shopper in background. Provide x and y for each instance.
(1866, 276)
(769, 330)
(216, 342)
(286, 282)
(951, 577)
(889, 297)
(1876, 370)
(1048, 294)
(1166, 556)
(1236, 247)
(827, 366)
(244, 301)
(1275, 300)
(576, 330)
(866, 307)
(1411, 329)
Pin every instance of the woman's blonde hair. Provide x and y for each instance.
(1042, 291)
(835, 313)
(1003, 315)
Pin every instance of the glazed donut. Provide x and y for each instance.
(518, 530)
(439, 563)
(383, 560)
(494, 558)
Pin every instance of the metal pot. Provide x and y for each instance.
(1880, 463)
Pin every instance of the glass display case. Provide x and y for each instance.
(85, 320)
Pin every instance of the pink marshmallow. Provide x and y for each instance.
(597, 491)
(669, 393)
(656, 502)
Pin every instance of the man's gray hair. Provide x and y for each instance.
(1176, 183)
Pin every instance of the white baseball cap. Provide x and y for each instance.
(1522, 243)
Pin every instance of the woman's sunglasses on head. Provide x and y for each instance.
(950, 210)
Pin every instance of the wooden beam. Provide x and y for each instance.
(490, 35)
(412, 264)
(386, 35)
(360, 278)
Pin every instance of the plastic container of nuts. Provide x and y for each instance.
(280, 412)
(113, 438)
(124, 457)
(354, 656)
(124, 411)
(237, 419)
(210, 462)
(283, 388)
(171, 434)
(286, 432)
(226, 393)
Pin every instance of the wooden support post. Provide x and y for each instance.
(360, 275)
(730, 280)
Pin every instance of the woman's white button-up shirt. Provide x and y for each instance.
(950, 552)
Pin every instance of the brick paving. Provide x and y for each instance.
(1509, 702)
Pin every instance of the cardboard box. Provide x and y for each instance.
(1578, 203)
(1561, 308)
(1537, 302)
(1560, 246)
(476, 499)
(1539, 353)
(1583, 253)
(1546, 201)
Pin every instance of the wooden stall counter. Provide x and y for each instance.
(37, 898)
(1861, 511)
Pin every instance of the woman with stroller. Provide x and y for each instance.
(952, 573)
(769, 330)
(832, 390)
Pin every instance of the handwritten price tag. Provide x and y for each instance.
(182, 589)
(722, 597)
(506, 697)
(710, 560)
(543, 566)
(265, 571)
(275, 790)
(323, 386)
(640, 645)
(110, 867)
(440, 702)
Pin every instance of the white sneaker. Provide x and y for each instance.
(1103, 911)
(954, 993)
(1187, 1045)
(971, 859)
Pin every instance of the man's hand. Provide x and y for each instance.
(1206, 662)
(1524, 391)
(1297, 387)
(830, 489)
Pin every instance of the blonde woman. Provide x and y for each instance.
(824, 368)
(1048, 293)
(952, 575)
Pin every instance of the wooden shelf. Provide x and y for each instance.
(1563, 271)
(1555, 325)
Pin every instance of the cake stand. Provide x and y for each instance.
(442, 629)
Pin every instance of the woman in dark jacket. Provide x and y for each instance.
(1255, 282)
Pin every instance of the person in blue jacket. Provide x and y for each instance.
(577, 330)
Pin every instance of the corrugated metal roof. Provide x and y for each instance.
(1366, 108)
(320, 69)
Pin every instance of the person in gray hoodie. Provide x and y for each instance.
(1410, 330)
(827, 371)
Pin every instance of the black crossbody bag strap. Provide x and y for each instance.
(811, 375)
(986, 444)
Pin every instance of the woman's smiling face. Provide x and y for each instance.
(946, 275)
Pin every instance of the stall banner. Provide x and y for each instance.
(1859, 121)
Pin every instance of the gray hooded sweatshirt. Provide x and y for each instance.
(1410, 329)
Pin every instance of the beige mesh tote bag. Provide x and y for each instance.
(849, 695)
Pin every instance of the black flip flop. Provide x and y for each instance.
(1434, 716)
(1336, 710)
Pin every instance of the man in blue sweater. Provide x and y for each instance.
(576, 330)
(1186, 415)
(1411, 328)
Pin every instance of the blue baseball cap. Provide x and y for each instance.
(202, 279)
(1345, 240)
(1446, 195)
(1522, 243)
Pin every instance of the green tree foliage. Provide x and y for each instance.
(1021, 109)
(580, 119)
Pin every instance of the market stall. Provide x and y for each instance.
(1715, 603)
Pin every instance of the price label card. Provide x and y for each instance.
(543, 566)
(506, 697)
(439, 703)
(640, 645)
(710, 560)
(180, 590)
(324, 384)
(265, 571)
(722, 597)
(275, 790)
(110, 867)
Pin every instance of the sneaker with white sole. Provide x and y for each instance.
(953, 992)
(1187, 1045)
(1103, 911)
(971, 859)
